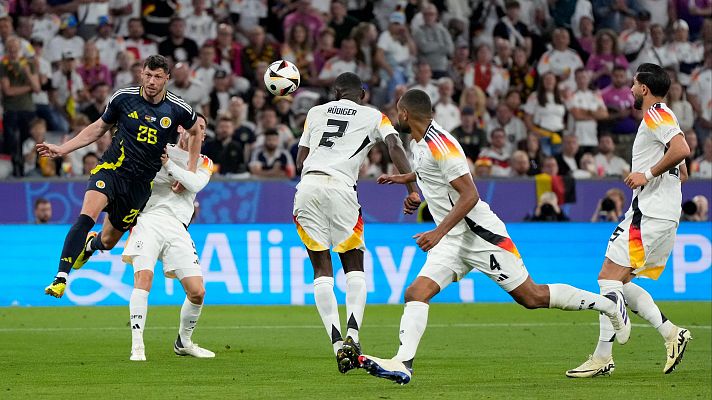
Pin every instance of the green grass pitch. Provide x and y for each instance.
(469, 351)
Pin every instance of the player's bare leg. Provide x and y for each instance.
(412, 326)
(138, 307)
(76, 240)
(356, 291)
(189, 315)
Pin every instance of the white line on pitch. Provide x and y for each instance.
(276, 327)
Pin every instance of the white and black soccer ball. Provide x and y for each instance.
(282, 78)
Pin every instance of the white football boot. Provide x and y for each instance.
(593, 367)
(138, 353)
(388, 369)
(191, 349)
(676, 349)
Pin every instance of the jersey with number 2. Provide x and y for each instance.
(339, 135)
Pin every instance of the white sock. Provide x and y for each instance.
(607, 334)
(325, 300)
(189, 314)
(62, 275)
(569, 298)
(355, 302)
(642, 303)
(138, 308)
(412, 327)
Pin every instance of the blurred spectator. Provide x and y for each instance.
(376, 163)
(297, 49)
(129, 71)
(605, 58)
(607, 163)
(587, 166)
(695, 151)
(66, 42)
(531, 147)
(366, 36)
(283, 108)
(108, 44)
(18, 80)
(483, 168)
(200, 25)
(99, 95)
(658, 52)
(585, 39)
(459, 63)
(226, 153)
(344, 61)
(244, 129)
(659, 10)
(484, 17)
(700, 96)
(513, 126)
(424, 81)
(433, 42)
(304, 14)
(634, 40)
(55, 121)
(512, 29)
(610, 208)
(522, 75)
(324, 51)
(471, 137)
(680, 107)
(520, 164)
(702, 207)
(92, 70)
(398, 51)
(689, 211)
(447, 114)
(545, 112)
(688, 54)
(568, 159)
(548, 210)
(220, 95)
(484, 74)
(137, 42)
(609, 14)
(698, 11)
(228, 52)
(191, 90)
(42, 211)
(45, 25)
(586, 108)
(475, 98)
(268, 121)
(619, 102)
(157, 15)
(271, 160)
(703, 164)
(502, 54)
(73, 163)
(205, 68)
(341, 22)
(122, 11)
(496, 154)
(561, 60)
(38, 131)
(89, 162)
(177, 47)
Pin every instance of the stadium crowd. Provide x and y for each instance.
(528, 87)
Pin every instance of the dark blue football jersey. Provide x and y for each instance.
(144, 129)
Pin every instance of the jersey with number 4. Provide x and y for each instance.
(144, 130)
(339, 135)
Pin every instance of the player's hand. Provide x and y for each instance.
(390, 179)
(164, 157)
(427, 240)
(411, 203)
(178, 188)
(635, 180)
(49, 150)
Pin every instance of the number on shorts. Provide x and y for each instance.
(146, 134)
(326, 138)
(494, 265)
(616, 233)
(129, 219)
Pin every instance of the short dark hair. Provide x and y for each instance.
(654, 77)
(618, 67)
(89, 154)
(348, 82)
(200, 115)
(271, 132)
(417, 102)
(40, 201)
(157, 61)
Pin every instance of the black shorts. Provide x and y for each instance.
(126, 197)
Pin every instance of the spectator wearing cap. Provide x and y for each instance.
(398, 51)
(304, 13)
(66, 42)
(609, 14)
(258, 50)
(341, 22)
(634, 40)
(200, 25)
(513, 126)
(586, 108)
(271, 160)
(561, 60)
(108, 43)
(471, 137)
(177, 46)
(91, 69)
(447, 113)
(220, 94)
(45, 25)
(510, 28)
(19, 80)
(191, 90)
(137, 42)
(606, 56)
(497, 154)
(424, 81)
(689, 54)
(433, 41)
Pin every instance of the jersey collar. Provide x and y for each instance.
(140, 93)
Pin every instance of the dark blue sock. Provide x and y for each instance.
(74, 242)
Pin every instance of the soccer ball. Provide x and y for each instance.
(282, 78)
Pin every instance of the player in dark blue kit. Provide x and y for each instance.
(147, 117)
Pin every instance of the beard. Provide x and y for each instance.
(638, 104)
(402, 127)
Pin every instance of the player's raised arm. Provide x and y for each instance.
(88, 135)
(400, 160)
(195, 142)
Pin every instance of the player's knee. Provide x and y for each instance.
(196, 296)
(142, 280)
(415, 293)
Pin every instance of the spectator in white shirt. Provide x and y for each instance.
(109, 44)
(513, 126)
(200, 26)
(657, 52)
(680, 107)
(607, 163)
(66, 41)
(447, 114)
(497, 154)
(703, 164)
(424, 82)
(45, 24)
(190, 89)
(561, 60)
(586, 108)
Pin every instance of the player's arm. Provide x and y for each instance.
(302, 153)
(191, 181)
(195, 141)
(468, 198)
(88, 135)
(303, 148)
(400, 160)
(683, 173)
(677, 151)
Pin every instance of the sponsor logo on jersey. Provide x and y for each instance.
(341, 111)
(100, 184)
(150, 118)
(165, 122)
(133, 114)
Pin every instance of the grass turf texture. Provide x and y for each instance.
(469, 351)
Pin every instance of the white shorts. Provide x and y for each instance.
(327, 214)
(487, 248)
(157, 237)
(642, 243)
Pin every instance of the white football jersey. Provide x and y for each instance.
(661, 197)
(339, 135)
(438, 160)
(163, 200)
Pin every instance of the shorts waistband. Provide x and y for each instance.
(320, 178)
